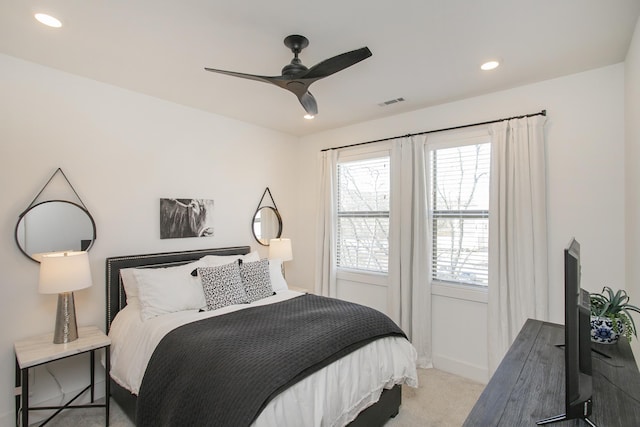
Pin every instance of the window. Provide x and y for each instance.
(363, 214)
(460, 213)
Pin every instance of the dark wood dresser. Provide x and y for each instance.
(529, 384)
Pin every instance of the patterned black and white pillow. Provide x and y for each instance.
(222, 285)
(256, 279)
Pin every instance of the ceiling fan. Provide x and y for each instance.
(297, 78)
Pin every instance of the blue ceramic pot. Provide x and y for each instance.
(602, 330)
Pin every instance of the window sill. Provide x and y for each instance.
(463, 292)
(370, 277)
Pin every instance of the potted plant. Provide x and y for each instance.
(611, 316)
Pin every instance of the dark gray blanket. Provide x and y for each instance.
(222, 371)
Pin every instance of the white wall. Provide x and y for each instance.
(122, 151)
(585, 150)
(632, 174)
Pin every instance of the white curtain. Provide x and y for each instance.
(325, 280)
(518, 274)
(409, 237)
(410, 234)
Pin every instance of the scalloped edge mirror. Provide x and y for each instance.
(266, 223)
(54, 225)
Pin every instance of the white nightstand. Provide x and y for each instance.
(40, 350)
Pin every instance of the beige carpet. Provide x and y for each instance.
(441, 400)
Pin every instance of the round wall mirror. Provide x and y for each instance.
(52, 226)
(267, 224)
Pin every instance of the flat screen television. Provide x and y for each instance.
(577, 342)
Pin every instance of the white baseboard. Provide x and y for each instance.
(9, 419)
(463, 369)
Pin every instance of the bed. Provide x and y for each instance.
(334, 393)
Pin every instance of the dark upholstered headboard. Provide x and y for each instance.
(116, 298)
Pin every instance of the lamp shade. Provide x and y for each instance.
(64, 272)
(280, 249)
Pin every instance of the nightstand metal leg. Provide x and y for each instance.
(107, 380)
(25, 397)
(93, 373)
(18, 390)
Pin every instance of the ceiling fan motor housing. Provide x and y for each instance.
(294, 68)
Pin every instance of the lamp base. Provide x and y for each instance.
(66, 326)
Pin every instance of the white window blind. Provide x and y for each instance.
(363, 214)
(460, 213)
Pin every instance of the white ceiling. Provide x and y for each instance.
(427, 51)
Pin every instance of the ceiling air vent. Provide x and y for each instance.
(391, 101)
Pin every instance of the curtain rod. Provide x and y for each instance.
(541, 113)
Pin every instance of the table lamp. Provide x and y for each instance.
(62, 273)
(280, 249)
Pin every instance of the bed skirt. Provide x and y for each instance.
(375, 415)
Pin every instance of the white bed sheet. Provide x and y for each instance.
(318, 400)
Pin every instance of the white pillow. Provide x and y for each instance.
(278, 282)
(130, 284)
(216, 260)
(170, 289)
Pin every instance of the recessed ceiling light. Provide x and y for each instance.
(490, 65)
(48, 20)
(309, 116)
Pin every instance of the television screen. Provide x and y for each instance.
(577, 341)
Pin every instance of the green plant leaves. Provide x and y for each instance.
(614, 305)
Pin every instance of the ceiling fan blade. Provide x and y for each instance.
(309, 103)
(265, 79)
(336, 63)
